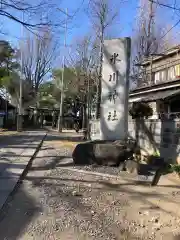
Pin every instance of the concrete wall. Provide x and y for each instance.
(153, 135)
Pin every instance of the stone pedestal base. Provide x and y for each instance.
(95, 130)
(99, 152)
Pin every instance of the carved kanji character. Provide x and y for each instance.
(114, 77)
(115, 116)
(115, 95)
(117, 76)
(110, 96)
(113, 58)
(109, 116)
(110, 78)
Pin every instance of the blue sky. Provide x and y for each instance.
(81, 24)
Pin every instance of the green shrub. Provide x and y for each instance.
(140, 110)
(175, 168)
(156, 153)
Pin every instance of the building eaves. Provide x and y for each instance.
(165, 54)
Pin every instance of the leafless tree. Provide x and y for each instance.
(12, 10)
(38, 54)
(144, 41)
(33, 15)
(83, 57)
(102, 14)
(84, 60)
(148, 39)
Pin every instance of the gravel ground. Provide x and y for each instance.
(57, 200)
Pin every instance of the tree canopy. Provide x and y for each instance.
(70, 82)
(8, 62)
(10, 75)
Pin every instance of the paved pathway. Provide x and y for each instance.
(16, 150)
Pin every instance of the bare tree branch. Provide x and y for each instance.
(36, 15)
(102, 15)
(149, 39)
(9, 8)
(38, 54)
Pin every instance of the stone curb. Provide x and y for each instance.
(32, 158)
(63, 130)
(17, 180)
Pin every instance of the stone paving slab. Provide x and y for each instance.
(14, 159)
(14, 169)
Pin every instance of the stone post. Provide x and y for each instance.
(115, 89)
(113, 123)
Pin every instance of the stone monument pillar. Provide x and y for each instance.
(115, 89)
(113, 123)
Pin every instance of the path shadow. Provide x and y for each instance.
(17, 140)
(56, 162)
(54, 137)
(18, 210)
(85, 211)
(18, 207)
(142, 197)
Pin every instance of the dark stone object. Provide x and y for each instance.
(107, 153)
(156, 161)
(153, 170)
(176, 139)
(167, 130)
(164, 145)
(166, 140)
(149, 174)
(156, 177)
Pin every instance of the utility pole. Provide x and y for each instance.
(151, 68)
(62, 76)
(6, 98)
(150, 28)
(5, 121)
(88, 108)
(19, 120)
(98, 107)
